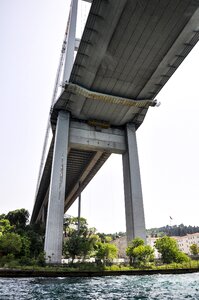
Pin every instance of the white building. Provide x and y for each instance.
(184, 242)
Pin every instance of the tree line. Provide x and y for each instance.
(22, 242)
(86, 243)
(175, 230)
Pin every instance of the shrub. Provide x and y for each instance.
(139, 254)
(168, 248)
(41, 260)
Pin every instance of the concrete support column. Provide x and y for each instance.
(135, 223)
(55, 215)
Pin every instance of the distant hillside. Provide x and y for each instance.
(175, 230)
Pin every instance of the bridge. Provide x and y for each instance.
(128, 51)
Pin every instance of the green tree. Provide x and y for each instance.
(105, 238)
(5, 226)
(194, 249)
(169, 251)
(106, 252)
(136, 242)
(138, 253)
(35, 234)
(78, 246)
(10, 243)
(71, 225)
(142, 255)
(18, 218)
(19, 239)
(108, 239)
(2, 216)
(78, 243)
(181, 257)
(25, 249)
(72, 247)
(132, 245)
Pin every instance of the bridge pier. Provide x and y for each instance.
(134, 210)
(55, 215)
(78, 135)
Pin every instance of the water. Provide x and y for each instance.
(120, 287)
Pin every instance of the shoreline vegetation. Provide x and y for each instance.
(53, 271)
(86, 252)
(93, 270)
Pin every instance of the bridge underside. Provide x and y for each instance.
(128, 51)
(84, 160)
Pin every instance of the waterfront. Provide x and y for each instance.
(184, 286)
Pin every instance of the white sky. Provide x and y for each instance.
(31, 34)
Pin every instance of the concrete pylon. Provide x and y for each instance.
(135, 222)
(55, 215)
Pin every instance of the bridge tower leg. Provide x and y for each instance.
(55, 215)
(135, 222)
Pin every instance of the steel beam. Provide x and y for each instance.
(135, 222)
(86, 137)
(55, 215)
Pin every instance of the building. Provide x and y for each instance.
(121, 244)
(184, 242)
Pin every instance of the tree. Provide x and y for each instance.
(35, 234)
(175, 230)
(5, 226)
(78, 243)
(10, 243)
(136, 242)
(169, 251)
(194, 249)
(2, 216)
(72, 246)
(71, 225)
(133, 244)
(25, 249)
(18, 218)
(19, 239)
(138, 253)
(105, 238)
(106, 252)
(181, 257)
(79, 246)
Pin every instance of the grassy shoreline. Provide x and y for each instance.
(94, 271)
(10, 273)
